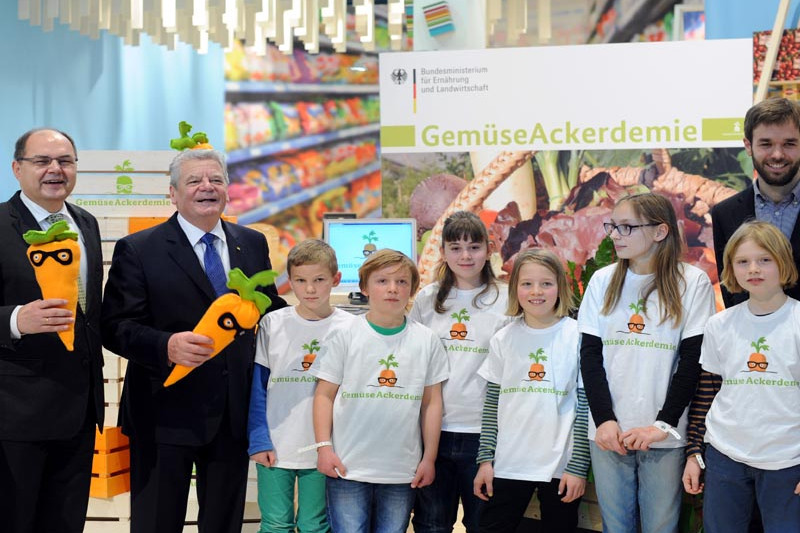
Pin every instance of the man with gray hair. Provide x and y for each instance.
(161, 282)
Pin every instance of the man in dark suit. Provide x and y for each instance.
(160, 284)
(51, 399)
(772, 139)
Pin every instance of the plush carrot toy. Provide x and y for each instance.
(197, 141)
(231, 314)
(55, 256)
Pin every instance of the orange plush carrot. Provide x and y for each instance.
(55, 256)
(231, 314)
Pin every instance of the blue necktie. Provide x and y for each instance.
(213, 264)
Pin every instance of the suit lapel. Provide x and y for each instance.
(22, 218)
(180, 250)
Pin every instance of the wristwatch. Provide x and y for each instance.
(666, 428)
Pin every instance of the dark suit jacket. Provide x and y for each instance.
(44, 389)
(157, 287)
(726, 217)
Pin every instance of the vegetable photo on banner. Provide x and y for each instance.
(231, 314)
(55, 256)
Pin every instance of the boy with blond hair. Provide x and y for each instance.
(281, 399)
(378, 404)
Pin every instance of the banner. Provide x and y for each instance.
(675, 94)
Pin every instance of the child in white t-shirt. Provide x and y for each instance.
(279, 424)
(464, 307)
(533, 436)
(752, 429)
(642, 321)
(378, 404)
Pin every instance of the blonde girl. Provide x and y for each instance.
(752, 428)
(642, 321)
(533, 436)
(464, 307)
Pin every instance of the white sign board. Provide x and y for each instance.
(637, 95)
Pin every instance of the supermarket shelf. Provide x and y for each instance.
(255, 152)
(272, 208)
(264, 87)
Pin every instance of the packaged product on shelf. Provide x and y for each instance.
(359, 196)
(243, 197)
(342, 160)
(235, 63)
(356, 111)
(372, 108)
(281, 180)
(334, 200)
(313, 118)
(277, 65)
(336, 113)
(305, 69)
(287, 120)
(366, 152)
(231, 133)
(261, 124)
(327, 66)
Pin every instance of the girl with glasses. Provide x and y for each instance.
(642, 321)
(752, 428)
(464, 307)
(533, 436)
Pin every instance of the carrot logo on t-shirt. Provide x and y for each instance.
(537, 372)
(636, 321)
(308, 358)
(758, 361)
(459, 330)
(387, 377)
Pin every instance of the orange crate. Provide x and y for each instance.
(110, 463)
(110, 486)
(111, 439)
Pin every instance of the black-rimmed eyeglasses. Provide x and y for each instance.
(43, 161)
(624, 229)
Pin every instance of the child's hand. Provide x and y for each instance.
(426, 473)
(797, 489)
(608, 438)
(484, 478)
(266, 458)
(691, 476)
(329, 463)
(641, 438)
(572, 487)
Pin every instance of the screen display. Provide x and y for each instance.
(354, 240)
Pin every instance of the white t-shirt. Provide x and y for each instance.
(285, 342)
(464, 392)
(535, 415)
(376, 428)
(639, 363)
(755, 417)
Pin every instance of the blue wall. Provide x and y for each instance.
(106, 95)
(731, 19)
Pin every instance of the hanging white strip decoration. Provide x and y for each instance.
(198, 22)
(168, 15)
(365, 22)
(513, 21)
(199, 14)
(494, 11)
(395, 13)
(137, 14)
(545, 26)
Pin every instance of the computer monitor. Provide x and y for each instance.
(354, 240)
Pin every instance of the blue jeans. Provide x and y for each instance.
(436, 508)
(358, 507)
(644, 485)
(731, 488)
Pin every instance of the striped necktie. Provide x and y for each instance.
(52, 219)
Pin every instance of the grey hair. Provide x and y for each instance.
(196, 155)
